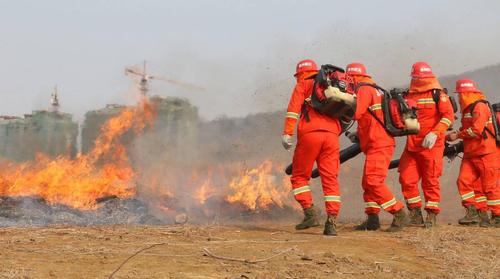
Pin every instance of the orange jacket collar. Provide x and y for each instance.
(467, 98)
(420, 85)
(305, 75)
(362, 79)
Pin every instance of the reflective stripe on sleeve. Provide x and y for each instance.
(445, 121)
(467, 115)
(292, 115)
(376, 107)
(301, 190)
(470, 132)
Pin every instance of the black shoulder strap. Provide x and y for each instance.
(436, 94)
(471, 108)
(361, 84)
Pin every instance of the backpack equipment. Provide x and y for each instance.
(400, 115)
(436, 97)
(330, 75)
(495, 115)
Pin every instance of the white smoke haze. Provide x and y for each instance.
(243, 54)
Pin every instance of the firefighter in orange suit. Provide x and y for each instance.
(422, 158)
(378, 146)
(480, 162)
(317, 141)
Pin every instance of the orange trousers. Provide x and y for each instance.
(483, 171)
(480, 198)
(426, 165)
(376, 193)
(323, 148)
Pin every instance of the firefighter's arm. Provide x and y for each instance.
(294, 108)
(363, 101)
(479, 122)
(447, 115)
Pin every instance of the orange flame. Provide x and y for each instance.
(205, 191)
(258, 188)
(104, 171)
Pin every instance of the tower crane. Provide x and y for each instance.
(144, 79)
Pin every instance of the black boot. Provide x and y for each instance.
(484, 219)
(496, 221)
(399, 221)
(331, 225)
(430, 221)
(471, 217)
(416, 218)
(310, 219)
(371, 223)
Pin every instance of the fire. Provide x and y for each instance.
(105, 171)
(205, 191)
(258, 188)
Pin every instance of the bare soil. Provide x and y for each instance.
(448, 251)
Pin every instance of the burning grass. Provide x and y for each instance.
(107, 173)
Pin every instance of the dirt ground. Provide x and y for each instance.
(448, 251)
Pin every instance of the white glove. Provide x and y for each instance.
(333, 93)
(286, 140)
(429, 140)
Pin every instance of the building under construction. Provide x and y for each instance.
(175, 128)
(43, 132)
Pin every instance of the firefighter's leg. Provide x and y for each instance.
(481, 205)
(376, 168)
(372, 209)
(409, 176)
(328, 166)
(431, 162)
(467, 178)
(480, 196)
(489, 178)
(308, 147)
(371, 206)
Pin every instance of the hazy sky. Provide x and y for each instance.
(243, 52)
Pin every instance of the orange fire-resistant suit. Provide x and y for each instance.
(317, 141)
(478, 179)
(420, 163)
(378, 147)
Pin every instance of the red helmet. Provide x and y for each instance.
(307, 65)
(466, 85)
(356, 69)
(421, 70)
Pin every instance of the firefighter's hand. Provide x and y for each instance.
(453, 136)
(333, 93)
(429, 140)
(286, 140)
